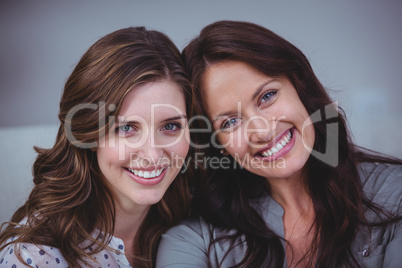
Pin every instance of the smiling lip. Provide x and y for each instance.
(147, 176)
(279, 147)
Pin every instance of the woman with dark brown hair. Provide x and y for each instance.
(110, 186)
(291, 189)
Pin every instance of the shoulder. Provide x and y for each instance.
(193, 226)
(185, 245)
(47, 256)
(375, 171)
(33, 255)
(194, 230)
(380, 246)
(382, 183)
(195, 243)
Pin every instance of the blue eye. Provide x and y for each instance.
(125, 128)
(172, 127)
(229, 123)
(267, 96)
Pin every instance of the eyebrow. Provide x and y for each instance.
(256, 93)
(221, 115)
(261, 87)
(181, 116)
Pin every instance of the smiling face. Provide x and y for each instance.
(145, 148)
(260, 120)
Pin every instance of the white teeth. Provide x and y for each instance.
(146, 174)
(278, 146)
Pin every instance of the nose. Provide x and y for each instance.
(149, 153)
(258, 130)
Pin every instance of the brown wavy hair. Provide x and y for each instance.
(70, 198)
(223, 198)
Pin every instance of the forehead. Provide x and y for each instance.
(154, 96)
(230, 81)
(220, 76)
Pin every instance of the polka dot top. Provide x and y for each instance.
(46, 256)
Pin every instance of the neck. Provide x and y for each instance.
(298, 218)
(127, 224)
(291, 194)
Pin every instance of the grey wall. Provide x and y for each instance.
(354, 47)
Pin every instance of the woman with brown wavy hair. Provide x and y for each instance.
(110, 186)
(291, 189)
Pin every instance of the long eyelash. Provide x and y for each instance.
(118, 128)
(272, 94)
(225, 123)
(176, 124)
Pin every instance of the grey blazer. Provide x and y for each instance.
(186, 245)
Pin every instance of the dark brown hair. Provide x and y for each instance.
(70, 198)
(223, 198)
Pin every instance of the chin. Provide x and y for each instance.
(279, 170)
(149, 199)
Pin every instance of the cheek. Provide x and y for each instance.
(110, 147)
(308, 136)
(233, 139)
(235, 144)
(108, 157)
(177, 154)
(305, 127)
(180, 149)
